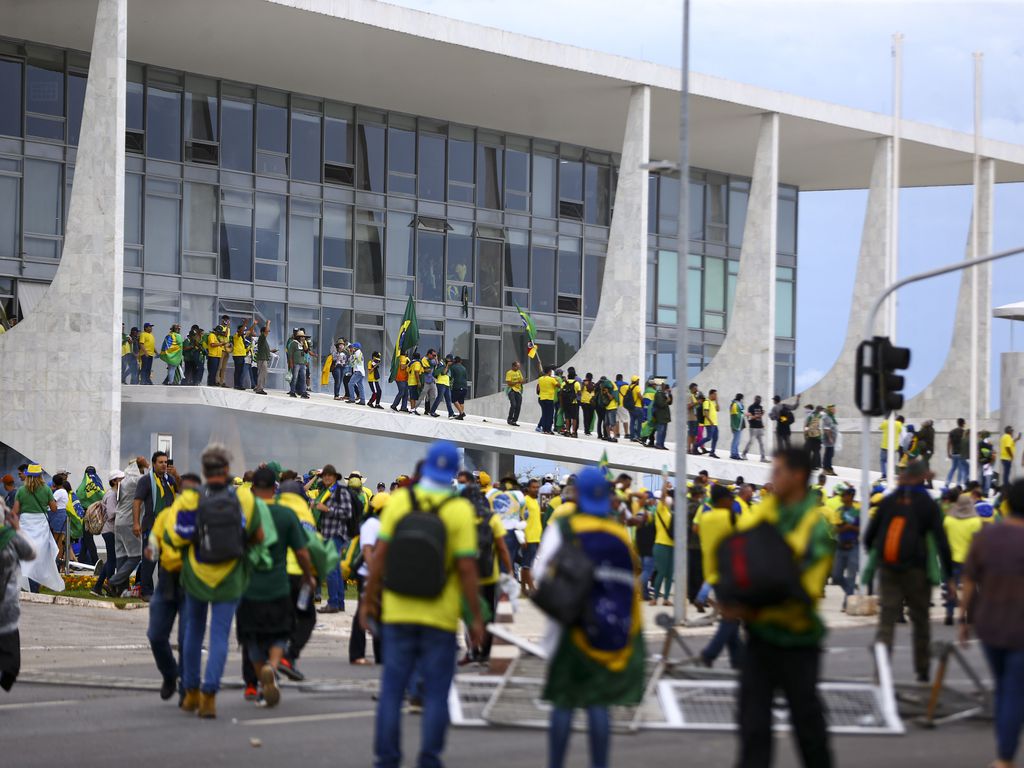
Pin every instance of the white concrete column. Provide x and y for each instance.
(836, 386)
(948, 395)
(746, 360)
(616, 344)
(60, 378)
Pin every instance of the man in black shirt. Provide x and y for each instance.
(899, 531)
(154, 493)
(956, 446)
(755, 423)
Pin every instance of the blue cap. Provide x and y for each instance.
(593, 492)
(442, 462)
(356, 345)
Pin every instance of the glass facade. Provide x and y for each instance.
(259, 203)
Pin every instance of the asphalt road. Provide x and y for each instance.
(69, 723)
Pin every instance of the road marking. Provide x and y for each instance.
(132, 647)
(36, 704)
(308, 718)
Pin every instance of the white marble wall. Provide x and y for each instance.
(1011, 402)
(60, 367)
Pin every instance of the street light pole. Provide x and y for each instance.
(894, 228)
(972, 420)
(681, 528)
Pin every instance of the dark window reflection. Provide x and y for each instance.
(76, 102)
(543, 294)
(401, 161)
(460, 171)
(134, 107)
(668, 206)
(597, 193)
(517, 180)
(430, 266)
(593, 280)
(163, 129)
(337, 141)
(431, 166)
(337, 236)
(236, 135)
(570, 180)
(369, 252)
(487, 374)
(460, 258)
(272, 128)
(488, 283)
(489, 174)
(371, 157)
(305, 146)
(10, 98)
(570, 273)
(44, 91)
(517, 266)
(236, 243)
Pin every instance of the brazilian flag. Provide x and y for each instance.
(408, 336)
(531, 332)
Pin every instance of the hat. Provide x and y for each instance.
(147, 325)
(484, 479)
(635, 378)
(356, 345)
(117, 474)
(34, 470)
(379, 500)
(593, 492)
(442, 462)
(300, 334)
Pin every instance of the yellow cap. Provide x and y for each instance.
(485, 480)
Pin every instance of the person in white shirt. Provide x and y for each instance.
(355, 384)
(367, 542)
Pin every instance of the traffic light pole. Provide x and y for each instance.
(865, 427)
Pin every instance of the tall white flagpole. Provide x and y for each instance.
(972, 419)
(894, 225)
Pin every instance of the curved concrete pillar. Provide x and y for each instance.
(746, 360)
(836, 386)
(617, 341)
(948, 395)
(60, 378)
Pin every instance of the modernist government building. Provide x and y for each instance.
(315, 163)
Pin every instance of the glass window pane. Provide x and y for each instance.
(488, 282)
(42, 197)
(9, 208)
(694, 291)
(542, 298)
(460, 258)
(337, 236)
(431, 167)
(76, 101)
(668, 206)
(236, 137)
(272, 128)
(133, 209)
(517, 263)
(696, 210)
(369, 253)
(200, 218)
(162, 239)
(513, 348)
(401, 161)
(458, 340)
(371, 157)
(787, 225)
(544, 186)
(570, 268)
(430, 266)
(337, 141)
(739, 194)
(714, 284)
(668, 277)
(162, 310)
(337, 324)
(517, 180)
(652, 283)
(134, 106)
(270, 232)
(236, 243)
(460, 169)
(44, 91)
(487, 367)
(593, 281)
(305, 147)
(198, 310)
(652, 202)
(567, 344)
(400, 235)
(163, 121)
(489, 173)
(570, 180)
(716, 201)
(10, 98)
(131, 309)
(201, 109)
(784, 308)
(597, 192)
(303, 251)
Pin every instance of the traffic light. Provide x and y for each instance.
(878, 386)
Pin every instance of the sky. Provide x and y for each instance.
(838, 51)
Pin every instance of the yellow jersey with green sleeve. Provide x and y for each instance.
(662, 520)
(534, 527)
(514, 380)
(498, 531)
(444, 611)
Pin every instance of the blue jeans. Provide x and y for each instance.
(401, 401)
(599, 734)
(636, 421)
(727, 635)
(734, 448)
(958, 468)
(883, 460)
(212, 365)
(165, 606)
(221, 615)
(512, 543)
(147, 370)
(241, 370)
(646, 571)
(335, 584)
(710, 436)
(298, 384)
(355, 387)
(952, 599)
(129, 369)
(145, 575)
(547, 415)
(660, 431)
(1007, 667)
(336, 374)
(844, 570)
(410, 648)
(444, 392)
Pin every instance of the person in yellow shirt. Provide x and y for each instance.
(1007, 450)
(147, 351)
(415, 375)
(897, 434)
(714, 525)
(238, 353)
(514, 390)
(534, 529)
(547, 389)
(419, 629)
(373, 379)
(710, 422)
(401, 401)
(214, 357)
(588, 402)
(664, 553)
(961, 524)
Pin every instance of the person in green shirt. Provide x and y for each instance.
(193, 356)
(460, 379)
(171, 354)
(266, 615)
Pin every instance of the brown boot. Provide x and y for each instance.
(190, 702)
(208, 705)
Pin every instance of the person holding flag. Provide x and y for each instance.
(407, 338)
(171, 352)
(531, 334)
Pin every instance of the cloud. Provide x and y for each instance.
(807, 377)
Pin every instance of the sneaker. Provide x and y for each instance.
(252, 693)
(304, 397)
(169, 686)
(415, 705)
(292, 394)
(393, 408)
(289, 670)
(712, 455)
(271, 693)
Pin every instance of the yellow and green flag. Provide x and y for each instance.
(407, 338)
(602, 464)
(531, 332)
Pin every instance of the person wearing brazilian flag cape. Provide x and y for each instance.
(597, 662)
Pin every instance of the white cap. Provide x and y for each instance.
(547, 489)
(117, 474)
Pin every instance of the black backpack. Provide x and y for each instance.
(417, 564)
(568, 579)
(485, 546)
(900, 543)
(220, 526)
(785, 416)
(756, 569)
(567, 394)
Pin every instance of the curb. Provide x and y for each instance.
(30, 597)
